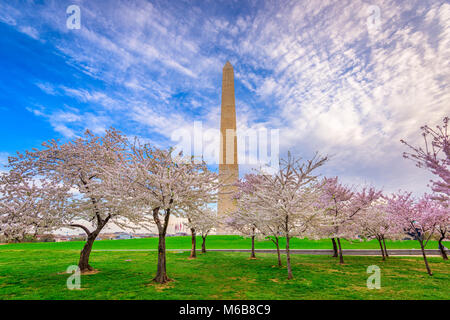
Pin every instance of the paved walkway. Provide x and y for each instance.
(347, 252)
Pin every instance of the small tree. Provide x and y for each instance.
(288, 196)
(199, 220)
(203, 222)
(374, 223)
(418, 218)
(246, 227)
(192, 226)
(266, 223)
(206, 225)
(198, 215)
(341, 205)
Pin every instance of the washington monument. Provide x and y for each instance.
(228, 161)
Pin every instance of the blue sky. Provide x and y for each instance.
(318, 71)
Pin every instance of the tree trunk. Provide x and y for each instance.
(382, 249)
(161, 273)
(335, 249)
(385, 249)
(83, 264)
(253, 248)
(441, 249)
(278, 252)
(204, 244)
(341, 256)
(425, 258)
(288, 259)
(193, 250)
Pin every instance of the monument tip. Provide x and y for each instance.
(228, 65)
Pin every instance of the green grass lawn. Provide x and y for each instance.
(216, 242)
(39, 274)
(36, 271)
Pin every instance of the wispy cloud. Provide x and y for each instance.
(312, 69)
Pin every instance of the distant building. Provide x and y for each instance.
(106, 236)
(177, 226)
(124, 236)
(62, 238)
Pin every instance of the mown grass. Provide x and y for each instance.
(27, 272)
(215, 242)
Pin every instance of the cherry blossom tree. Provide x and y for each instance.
(203, 221)
(272, 229)
(443, 226)
(374, 222)
(165, 184)
(244, 226)
(265, 223)
(330, 203)
(200, 219)
(28, 206)
(79, 165)
(191, 224)
(435, 156)
(289, 196)
(249, 218)
(341, 205)
(415, 217)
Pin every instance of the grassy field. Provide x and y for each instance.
(39, 274)
(215, 242)
(37, 271)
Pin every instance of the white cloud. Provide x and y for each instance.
(30, 31)
(318, 74)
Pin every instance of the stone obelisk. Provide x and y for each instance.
(228, 161)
